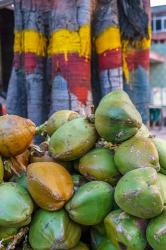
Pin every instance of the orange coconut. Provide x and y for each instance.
(16, 134)
(49, 184)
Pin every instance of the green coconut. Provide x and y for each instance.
(91, 203)
(7, 235)
(107, 244)
(143, 131)
(161, 148)
(53, 230)
(1, 170)
(137, 152)
(72, 140)
(116, 118)
(81, 246)
(156, 232)
(139, 193)
(16, 205)
(162, 179)
(58, 119)
(98, 164)
(21, 180)
(126, 231)
(6, 232)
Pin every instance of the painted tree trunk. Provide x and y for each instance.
(108, 46)
(137, 58)
(52, 58)
(70, 55)
(26, 92)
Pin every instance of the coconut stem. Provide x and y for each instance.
(26, 245)
(18, 162)
(8, 166)
(14, 239)
(42, 129)
(105, 144)
(36, 150)
(91, 117)
(17, 238)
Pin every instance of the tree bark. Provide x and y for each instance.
(70, 55)
(52, 58)
(137, 57)
(108, 46)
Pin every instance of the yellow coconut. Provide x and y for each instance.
(16, 134)
(49, 184)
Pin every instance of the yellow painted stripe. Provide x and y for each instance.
(143, 44)
(30, 41)
(85, 37)
(139, 45)
(109, 39)
(128, 47)
(64, 41)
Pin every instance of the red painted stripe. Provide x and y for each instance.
(76, 70)
(27, 61)
(113, 59)
(110, 59)
(136, 58)
(30, 62)
(4, 109)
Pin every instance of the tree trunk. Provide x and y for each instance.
(108, 46)
(137, 57)
(70, 54)
(52, 58)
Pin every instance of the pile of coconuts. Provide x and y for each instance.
(95, 182)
